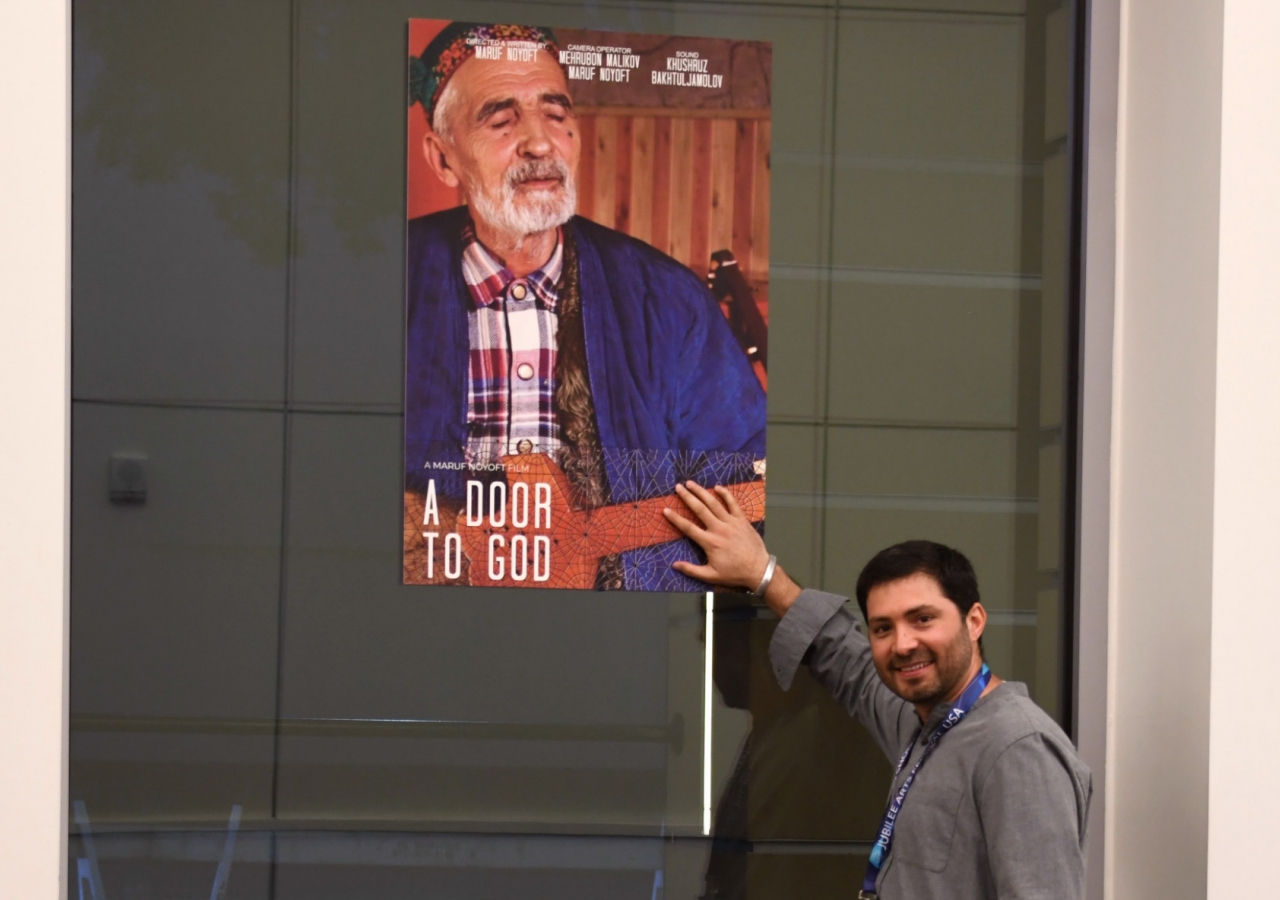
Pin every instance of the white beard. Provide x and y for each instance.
(522, 214)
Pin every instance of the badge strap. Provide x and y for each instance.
(884, 838)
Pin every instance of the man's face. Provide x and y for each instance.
(512, 143)
(922, 647)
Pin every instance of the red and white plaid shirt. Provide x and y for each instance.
(512, 328)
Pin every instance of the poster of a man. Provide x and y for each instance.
(562, 374)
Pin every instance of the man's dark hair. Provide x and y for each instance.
(950, 568)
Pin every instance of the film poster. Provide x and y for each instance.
(586, 300)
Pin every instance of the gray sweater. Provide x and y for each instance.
(997, 811)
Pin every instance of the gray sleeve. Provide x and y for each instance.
(841, 662)
(1033, 812)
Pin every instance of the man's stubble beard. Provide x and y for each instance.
(519, 216)
(949, 669)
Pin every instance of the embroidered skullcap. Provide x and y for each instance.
(448, 50)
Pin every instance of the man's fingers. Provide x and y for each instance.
(709, 500)
(686, 527)
(730, 502)
(696, 503)
(702, 573)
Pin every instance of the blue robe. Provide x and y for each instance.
(675, 397)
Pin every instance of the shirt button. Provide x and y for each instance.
(519, 291)
(525, 371)
(525, 445)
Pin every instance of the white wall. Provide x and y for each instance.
(1097, 337)
(1193, 800)
(1163, 448)
(34, 234)
(1244, 782)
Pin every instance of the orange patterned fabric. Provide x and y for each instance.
(575, 540)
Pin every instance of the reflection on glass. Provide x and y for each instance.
(240, 638)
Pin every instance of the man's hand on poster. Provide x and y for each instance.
(736, 554)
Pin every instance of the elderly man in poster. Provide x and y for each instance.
(534, 330)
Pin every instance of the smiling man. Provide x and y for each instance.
(990, 799)
(532, 330)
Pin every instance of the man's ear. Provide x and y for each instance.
(437, 154)
(976, 621)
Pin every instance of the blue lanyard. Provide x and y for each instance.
(885, 839)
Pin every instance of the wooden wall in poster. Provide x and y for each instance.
(684, 181)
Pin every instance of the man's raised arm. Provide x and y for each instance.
(814, 626)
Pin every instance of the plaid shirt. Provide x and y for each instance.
(512, 327)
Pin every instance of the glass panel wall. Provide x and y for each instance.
(259, 704)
